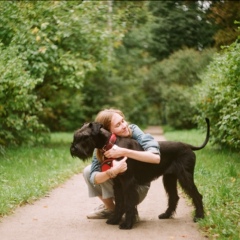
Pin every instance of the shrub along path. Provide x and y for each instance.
(62, 215)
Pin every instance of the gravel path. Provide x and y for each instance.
(62, 216)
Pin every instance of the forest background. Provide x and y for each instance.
(160, 62)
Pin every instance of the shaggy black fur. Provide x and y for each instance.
(177, 164)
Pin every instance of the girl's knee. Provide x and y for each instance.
(86, 172)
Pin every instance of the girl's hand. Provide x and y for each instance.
(119, 166)
(115, 152)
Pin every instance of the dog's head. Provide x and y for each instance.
(87, 138)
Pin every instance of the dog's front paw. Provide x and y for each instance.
(113, 220)
(126, 225)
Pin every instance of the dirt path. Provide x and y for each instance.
(62, 216)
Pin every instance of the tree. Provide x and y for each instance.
(169, 85)
(119, 83)
(19, 106)
(224, 14)
(56, 45)
(179, 24)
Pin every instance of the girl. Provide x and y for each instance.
(100, 183)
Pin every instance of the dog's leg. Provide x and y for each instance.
(130, 218)
(130, 203)
(116, 217)
(187, 183)
(170, 185)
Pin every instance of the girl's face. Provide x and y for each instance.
(119, 126)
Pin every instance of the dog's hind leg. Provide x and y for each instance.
(187, 183)
(170, 185)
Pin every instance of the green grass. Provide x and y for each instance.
(27, 174)
(217, 176)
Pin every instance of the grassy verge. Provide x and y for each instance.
(217, 176)
(27, 174)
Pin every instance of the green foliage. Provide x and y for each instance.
(56, 41)
(169, 82)
(19, 107)
(179, 111)
(78, 70)
(221, 200)
(129, 69)
(179, 24)
(60, 48)
(219, 98)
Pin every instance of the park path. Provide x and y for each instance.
(62, 216)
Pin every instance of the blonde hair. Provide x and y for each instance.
(105, 118)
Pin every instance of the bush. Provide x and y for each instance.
(170, 83)
(19, 107)
(178, 111)
(219, 99)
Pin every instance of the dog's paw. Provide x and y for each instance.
(126, 225)
(165, 216)
(113, 221)
(198, 218)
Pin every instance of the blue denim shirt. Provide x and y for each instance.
(145, 140)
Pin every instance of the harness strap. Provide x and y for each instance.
(110, 143)
(107, 163)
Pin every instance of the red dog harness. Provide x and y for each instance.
(107, 163)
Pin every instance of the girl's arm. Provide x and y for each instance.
(97, 177)
(142, 156)
(118, 167)
(151, 153)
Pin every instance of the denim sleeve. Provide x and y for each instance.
(144, 139)
(95, 167)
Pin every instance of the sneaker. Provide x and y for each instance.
(101, 212)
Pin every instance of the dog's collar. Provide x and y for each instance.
(110, 143)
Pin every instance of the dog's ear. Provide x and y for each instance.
(95, 126)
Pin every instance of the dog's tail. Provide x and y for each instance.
(206, 139)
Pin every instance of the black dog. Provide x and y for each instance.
(177, 163)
